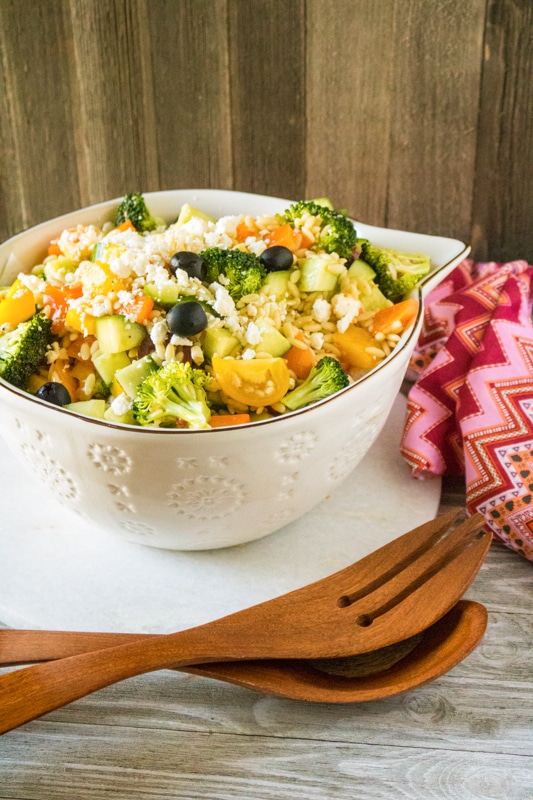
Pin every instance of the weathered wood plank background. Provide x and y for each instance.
(407, 113)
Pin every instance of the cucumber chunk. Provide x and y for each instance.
(116, 333)
(219, 342)
(107, 364)
(315, 275)
(189, 212)
(88, 408)
(272, 341)
(122, 419)
(131, 376)
(371, 297)
(360, 269)
(278, 282)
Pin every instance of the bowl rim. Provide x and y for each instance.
(404, 342)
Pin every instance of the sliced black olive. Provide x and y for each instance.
(276, 258)
(186, 319)
(55, 393)
(193, 264)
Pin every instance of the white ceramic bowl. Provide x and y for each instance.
(198, 490)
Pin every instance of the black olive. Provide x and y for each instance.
(276, 258)
(186, 319)
(55, 393)
(193, 264)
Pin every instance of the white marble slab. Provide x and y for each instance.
(58, 572)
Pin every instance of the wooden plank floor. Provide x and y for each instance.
(467, 736)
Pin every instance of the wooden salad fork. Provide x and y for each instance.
(392, 594)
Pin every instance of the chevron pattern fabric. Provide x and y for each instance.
(470, 411)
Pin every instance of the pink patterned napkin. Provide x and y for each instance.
(471, 409)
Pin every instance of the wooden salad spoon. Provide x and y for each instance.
(392, 594)
(353, 679)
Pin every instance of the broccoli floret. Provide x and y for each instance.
(325, 378)
(174, 392)
(337, 233)
(244, 271)
(23, 349)
(133, 208)
(397, 273)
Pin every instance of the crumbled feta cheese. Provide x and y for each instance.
(252, 335)
(159, 333)
(76, 243)
(346, 309)
(32, 282)
(228, 225)
(216, 239)
(121, 404)
(321, 310)
(180, 340)
(248, 354)
(317, 340)
(101, 306)
(223, 304)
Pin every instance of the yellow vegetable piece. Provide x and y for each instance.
(18, 304)
(35, 382)
(352, 345)
(256, 383)
(116, 389)
(78, 319)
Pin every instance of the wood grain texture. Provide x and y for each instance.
(503, 189)
(189, 765)
(467, 736)
(434, 102)
(409, 114)
(349, 85)
(266, 63)
(191, 93)
(111, 93)
(38, 167)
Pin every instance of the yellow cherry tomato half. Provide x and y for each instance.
(258, 382)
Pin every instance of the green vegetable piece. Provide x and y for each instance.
(219, 342)
(337, 233)
(106, 364)
(133, 208)
(116, 333)
(174, 393)
(89, 408)
(22, 350)
(121, 419)
(244, 273)
(272, 341)
(278, 283)
(325, 378)
(315, 276)
(189, 212)
(131, 376)
(371, 297)
(397, 272)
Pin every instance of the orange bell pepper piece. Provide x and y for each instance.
(55, 299)
(285, 236)
(225, 420)
(139, 306)
(352, 345)
(243, 231)
(127, 225)
(300, 360)
(405, 312)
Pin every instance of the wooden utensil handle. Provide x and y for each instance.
(33, 646)
(26, 694)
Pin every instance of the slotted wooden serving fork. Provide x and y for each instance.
(392, 594)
